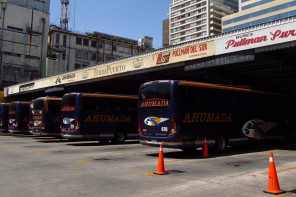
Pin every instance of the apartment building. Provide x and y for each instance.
(195, 19)
(255, 12)
(23, 39)
(74, 50)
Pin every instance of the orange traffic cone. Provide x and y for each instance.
(160, 166)
(273, 183)
(205, 149)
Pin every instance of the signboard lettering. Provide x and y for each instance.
(27, 87)
(259, 38)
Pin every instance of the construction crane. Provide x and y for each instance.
(64, 14)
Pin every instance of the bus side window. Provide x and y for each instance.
(191, 96)
(214, 99)
(101, 105)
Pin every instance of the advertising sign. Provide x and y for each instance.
(190, 52)
(255, 39)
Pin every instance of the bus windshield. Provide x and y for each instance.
(38, 104)
(155, 90)
(69, 102)
(12, 106)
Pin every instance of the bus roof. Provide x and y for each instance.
(103, 95)
(215, 86)
(47, 98)
(226, 87)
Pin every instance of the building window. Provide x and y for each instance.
(108, 47)
(85, 42)
(84, 55)
(78, 40)
(93, 56)
(100, 45)
(78, 54)
(14, 28)
(63, 56)
(77, 66)
(57, 41)
(94, 43)
(64, 40)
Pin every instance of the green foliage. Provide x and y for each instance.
(51, 53)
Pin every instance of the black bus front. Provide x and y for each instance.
(157, 117)
(69, 116)
(46, 117)
(18, 117)
(4, 107)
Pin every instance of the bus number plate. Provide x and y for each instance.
(164, 129)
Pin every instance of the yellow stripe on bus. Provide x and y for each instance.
(224, 87)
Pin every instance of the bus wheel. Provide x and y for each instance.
(220, 144)
(119, 137)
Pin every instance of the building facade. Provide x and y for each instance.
(255, 12)
(23, 39)
(165, 33)
(75, 50)
(195, 19)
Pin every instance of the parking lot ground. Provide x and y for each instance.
(39, 166)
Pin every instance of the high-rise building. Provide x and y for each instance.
(194, 19)
(23, 39)
(255, 12)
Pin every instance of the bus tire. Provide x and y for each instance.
(119, 137)
(220, 144)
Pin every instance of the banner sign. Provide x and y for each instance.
(149, 60)
(255, 39)
(190, 52)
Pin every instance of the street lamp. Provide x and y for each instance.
(3, 6)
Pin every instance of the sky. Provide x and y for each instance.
(125, 18)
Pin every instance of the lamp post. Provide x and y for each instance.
(3, 6)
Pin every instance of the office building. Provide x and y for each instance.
(255, 12)
(195, 19)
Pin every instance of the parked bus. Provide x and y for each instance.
(45, 112)
(101, 117)
(18, 117)
(4, 107)
(181, 114)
